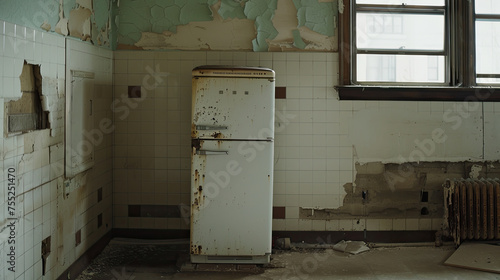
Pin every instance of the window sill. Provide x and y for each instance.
(418, 93)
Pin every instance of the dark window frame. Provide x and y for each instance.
(462, 65)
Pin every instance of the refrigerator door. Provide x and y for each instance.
(233, 108)
(231, 201)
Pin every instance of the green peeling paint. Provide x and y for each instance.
(232, 9)
(262, 11)
(101, 13)
(68, 5)
(297, 40)
(34, 13)
(137, 16)
(113, 36)
(319, 17)
(30, 13)
(158, 16)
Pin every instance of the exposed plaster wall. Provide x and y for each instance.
(44, 206)
(89, 20)
(257, 25)
(400, 191)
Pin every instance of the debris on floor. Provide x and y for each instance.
(163, 259)
(351, 247)
(124, 257)
(477, 256)
(282, 243)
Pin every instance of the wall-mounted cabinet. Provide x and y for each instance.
(79, 122)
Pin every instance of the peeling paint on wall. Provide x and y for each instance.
(203, 35)
(278, 25)
(320, 17)
(88, 20)
(262, 11)
(230, 9)
(79, 23)
(158, 16)
(62, 24)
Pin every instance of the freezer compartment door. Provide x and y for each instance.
(233, 108)
(231, 198)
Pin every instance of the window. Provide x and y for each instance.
(487, 41)
(433, 69)
(420, 49)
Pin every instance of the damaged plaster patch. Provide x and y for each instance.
(79, 23)
(389, 190)
(27, 113)
(279, 25)
(54, 16)
(474, 171)
(307, 25)
(62, 25)
(262, 11)
(238, 34)
(45, 26)
(285, 21)
(290, 37)
(158, 16)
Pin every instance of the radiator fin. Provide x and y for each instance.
(472, 209)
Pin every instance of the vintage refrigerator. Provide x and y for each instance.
(232, 134)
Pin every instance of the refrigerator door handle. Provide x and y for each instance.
(210, 127)
(211, 152)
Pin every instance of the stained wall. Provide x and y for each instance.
(47, 204)
(339, 165)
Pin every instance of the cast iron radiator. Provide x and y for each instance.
(472, 209)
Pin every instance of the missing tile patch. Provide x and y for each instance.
(134, 92)
(78, 237)
(45, 253)
(27, 113)
(99, 220)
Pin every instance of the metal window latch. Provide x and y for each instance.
(211, 152)
(210, 127)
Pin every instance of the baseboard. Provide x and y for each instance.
(151, 233)
(298, 236)
(367, 236)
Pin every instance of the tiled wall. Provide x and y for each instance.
(43, 206)
(319, 139)
(313, 158)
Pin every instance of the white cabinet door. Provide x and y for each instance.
(231, 198)
(233, 108)
(79, 123)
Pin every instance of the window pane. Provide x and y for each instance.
(400, 68)
(487, 7)
(406, 2)
(399, 31)
(487, 47)
(488, 81)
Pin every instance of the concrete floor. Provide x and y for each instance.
(122, 260)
